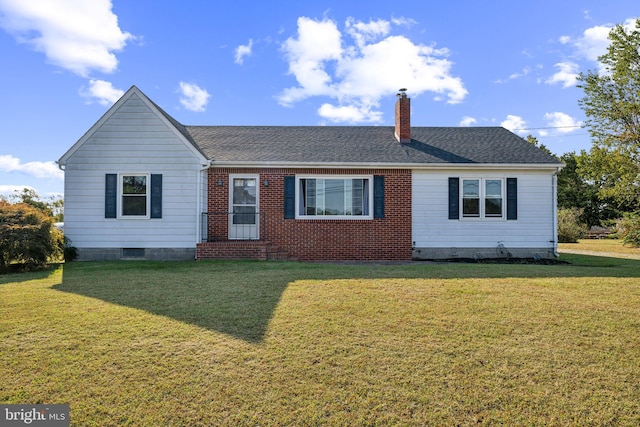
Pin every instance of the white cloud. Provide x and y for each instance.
(242, 51)
(193, 97)
(101, 91)
(563, 122)
(517, 75)
(403, 22)
(9, 190)
(467, 121)
(349, 113)
(359, 71)
(9, 163)
(77, 35)
(524, 72)
(366, 32)
(527, 53)
(594, 41)
(317, 43)
(564, 39)
(515, 124)
(567, 74)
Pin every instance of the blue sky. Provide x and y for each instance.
(464, 63)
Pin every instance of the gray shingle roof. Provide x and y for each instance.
(365, 145)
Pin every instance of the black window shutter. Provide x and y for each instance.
(289, 197)
(156, 195)
(111, 195)
(378, 196)
(454, 198)
(512, 198)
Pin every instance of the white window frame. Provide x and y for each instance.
(334, 217)
(121, 196)
(482, 199)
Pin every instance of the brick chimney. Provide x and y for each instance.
(403, 117)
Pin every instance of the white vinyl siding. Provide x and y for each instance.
(432, 227)
(133, 140)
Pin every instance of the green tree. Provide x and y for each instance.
(30, 197)
(612, 106)
(570, 228)
(576, 191)
(52, 205)
(56, 204)
(27, 236)
(628, 229)
(533, 140)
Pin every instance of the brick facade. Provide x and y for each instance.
(387, 238)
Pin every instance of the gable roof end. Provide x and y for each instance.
(171, 123)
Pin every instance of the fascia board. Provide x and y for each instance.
(413, 166)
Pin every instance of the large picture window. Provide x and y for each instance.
(341, 197)
(482, 198)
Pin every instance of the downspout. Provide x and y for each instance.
(199, 194)
(554, 186)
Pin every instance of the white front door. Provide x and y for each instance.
(244, 217)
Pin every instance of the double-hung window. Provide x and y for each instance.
(482, 198)
(493, 198)
(334, 197)
(134, 195)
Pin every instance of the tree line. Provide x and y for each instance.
(601, 187)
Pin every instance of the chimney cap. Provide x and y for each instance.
(401, 92)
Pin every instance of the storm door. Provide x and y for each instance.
(244, 221)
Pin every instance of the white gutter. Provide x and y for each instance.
(358, 165)
(60, 165)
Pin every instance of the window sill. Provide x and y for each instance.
(334, 218)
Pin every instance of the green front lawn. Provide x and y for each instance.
(269, 343)
(610, 246)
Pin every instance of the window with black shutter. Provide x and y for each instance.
(133, 195)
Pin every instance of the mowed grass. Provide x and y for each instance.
(611, 246)
(261, 343)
